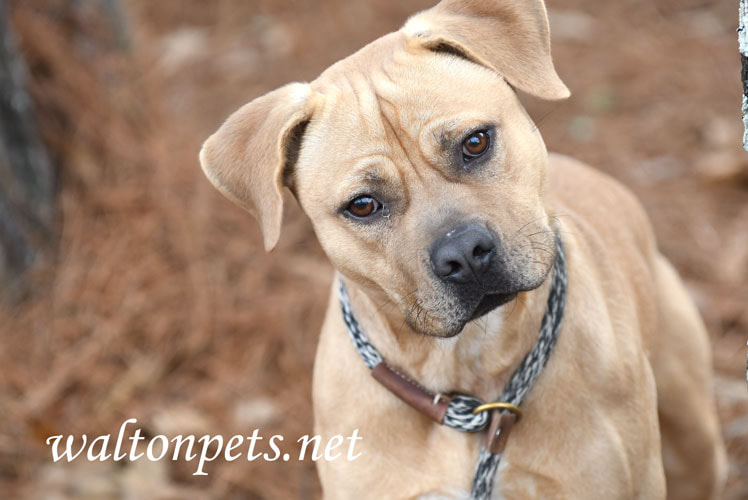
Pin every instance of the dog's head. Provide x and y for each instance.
(418, 166)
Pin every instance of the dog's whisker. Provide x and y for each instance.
(545, 231)
(546, 250)
(518, 231)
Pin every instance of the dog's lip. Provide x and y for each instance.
(491, 301)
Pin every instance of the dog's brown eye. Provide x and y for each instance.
(363, 206)
(475, 145)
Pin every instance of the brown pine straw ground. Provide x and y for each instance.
(160, 303)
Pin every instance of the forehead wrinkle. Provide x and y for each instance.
(424, 129)
(387, 75)
(367, 106)
(395, 128)
(392, 131)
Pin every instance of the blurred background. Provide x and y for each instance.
(131, 289)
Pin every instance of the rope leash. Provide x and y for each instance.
(470, 414)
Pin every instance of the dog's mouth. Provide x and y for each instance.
(489, 302)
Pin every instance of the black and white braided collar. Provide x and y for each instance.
(458, 410)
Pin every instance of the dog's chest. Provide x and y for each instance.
(464, 494)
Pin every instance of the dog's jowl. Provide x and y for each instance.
(433, 195)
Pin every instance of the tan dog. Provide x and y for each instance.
(418, 143)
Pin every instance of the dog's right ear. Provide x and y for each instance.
(247, 157)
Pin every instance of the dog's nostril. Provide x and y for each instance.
(454, 267)
(479, 252)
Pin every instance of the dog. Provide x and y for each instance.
(433, 195)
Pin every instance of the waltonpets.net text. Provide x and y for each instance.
(205, 448)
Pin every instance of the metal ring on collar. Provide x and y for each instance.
(499, 406)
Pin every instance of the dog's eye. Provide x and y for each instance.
(475, 145)
(364, 206)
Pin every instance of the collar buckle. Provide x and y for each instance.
(498, 430)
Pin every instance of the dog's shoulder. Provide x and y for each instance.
(610, 208)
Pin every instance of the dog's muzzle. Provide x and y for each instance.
(467, 260)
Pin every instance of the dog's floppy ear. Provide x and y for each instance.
(508, 36)
(247, 157)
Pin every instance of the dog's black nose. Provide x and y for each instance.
(463, 254)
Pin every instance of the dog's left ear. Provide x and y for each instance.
(508, 36)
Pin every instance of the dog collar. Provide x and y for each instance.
(464, 412)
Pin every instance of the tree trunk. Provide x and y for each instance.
(743, 43)
(26, 174)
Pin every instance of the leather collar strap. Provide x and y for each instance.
(459, 410)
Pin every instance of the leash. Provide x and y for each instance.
(464, 412)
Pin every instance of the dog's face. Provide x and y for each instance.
(419, 168)
(423, 178)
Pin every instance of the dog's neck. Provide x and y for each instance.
(478, 361)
